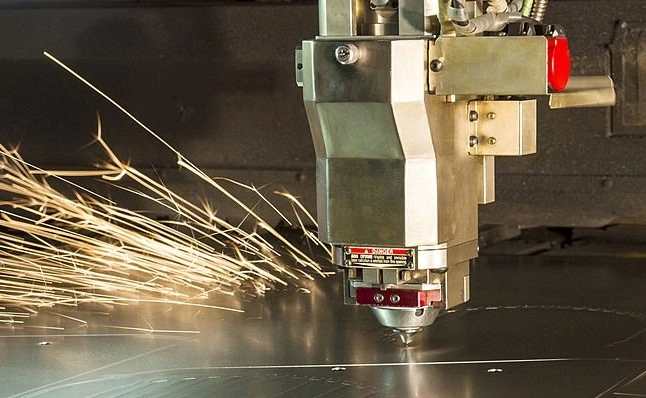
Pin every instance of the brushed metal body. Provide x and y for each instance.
(507, 128)
(490, 66)
(406, 118)
(391, 164)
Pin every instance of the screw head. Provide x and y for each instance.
(473, 116)
(436, 65)
(492, 141)
(395, 298)
(491, 115)
(346, 54)
(379, 298)
(473, 141)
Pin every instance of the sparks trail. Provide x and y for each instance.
(184, 162)
(58, 249)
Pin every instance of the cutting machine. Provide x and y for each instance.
(409, 102)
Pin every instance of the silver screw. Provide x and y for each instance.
(395, 298)
(379, 298)
(473, 141)
(346, 54)
(492, 141)
(436, 65)
(473, 116)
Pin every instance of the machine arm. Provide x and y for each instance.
(409, 102)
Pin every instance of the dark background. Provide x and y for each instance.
(216, 80)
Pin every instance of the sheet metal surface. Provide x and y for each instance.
(536, 327)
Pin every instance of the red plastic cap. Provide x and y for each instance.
(559, 63)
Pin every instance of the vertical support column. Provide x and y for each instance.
(456, 284)
(339, 17)
(486, 179)
(411, 17)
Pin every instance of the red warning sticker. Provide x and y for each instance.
(379, 256)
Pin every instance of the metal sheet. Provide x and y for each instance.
(536, 327)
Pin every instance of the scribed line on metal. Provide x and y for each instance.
(410, 364)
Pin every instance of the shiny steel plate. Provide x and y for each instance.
(535, 327)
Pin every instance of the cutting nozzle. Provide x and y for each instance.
(406, 335)
(406, 322)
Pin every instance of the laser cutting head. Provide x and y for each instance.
(408, 103)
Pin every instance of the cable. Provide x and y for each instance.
(493, 22)
(527, 8)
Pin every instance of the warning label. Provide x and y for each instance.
(379, 256)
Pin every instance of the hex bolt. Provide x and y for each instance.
(436, 65)
(491, 115)
(492, 141)
(473, 116)
(473, 141)
(346, 54)
(379, 298)
(395, 298)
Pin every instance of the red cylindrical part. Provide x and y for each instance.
(559, 63)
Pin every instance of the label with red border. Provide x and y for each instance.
(379, 256)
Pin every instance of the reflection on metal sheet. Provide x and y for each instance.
(543, 327)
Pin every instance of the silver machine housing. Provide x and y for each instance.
(407, 117)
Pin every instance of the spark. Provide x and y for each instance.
(81, 321)
(62, 249)
(66, 251)
(181, 160)
(151, 330)
(43, 327)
